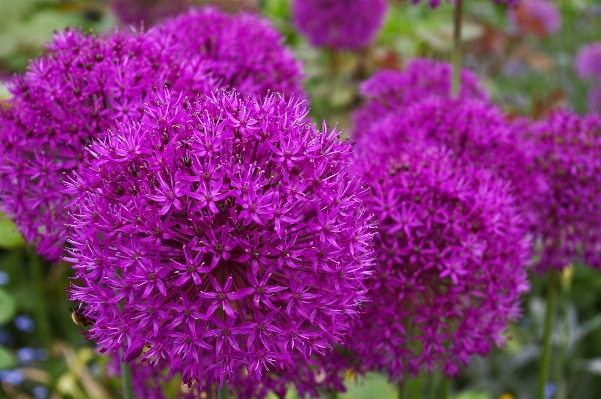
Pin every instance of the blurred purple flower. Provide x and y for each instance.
(72, 94)
(569, 154)
(389, 91)
(588, 61)
(148, 11)
(244, 52)
(594, 98)
(230, 229)
(540, 17)
(339, 24)
(451, 261)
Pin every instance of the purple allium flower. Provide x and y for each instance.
(569, 154)
(148, 11)
(476, 132)
(390, 91)
(339, 24)
(540, 17)
(229, 228)
(69, 96)
(451, 254)
(244, 51)
(588, 61)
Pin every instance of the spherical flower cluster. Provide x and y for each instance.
(477, 133)
(66, 98)
(148, 12)
(588, 65)
(230, 230)
(569, 154)
(451, 256)
(244, 52)
(388, 91)
(339, 24)
(540, 17)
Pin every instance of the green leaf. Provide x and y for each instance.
(7, 359)
(9, 238)
(7, 306)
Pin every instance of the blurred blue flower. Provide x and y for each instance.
(4, 278)
(13, 377)
(5, 338)
(24, 323)
(26, 355)
(40, 392)
(550, 390)
(41, 354)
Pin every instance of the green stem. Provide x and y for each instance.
(546, 357)
(40, 312)
(432, 394)
(457, 49)
(403, 389)
(444, 387)
(128, 392)
(223, 392)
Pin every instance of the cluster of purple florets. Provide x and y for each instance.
(230, 230)
(339, 24)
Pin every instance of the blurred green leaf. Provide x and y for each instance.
(7, 359)
(7, 306)
(9, 237)
(472, 395)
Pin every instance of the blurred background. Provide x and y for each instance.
(525, 60)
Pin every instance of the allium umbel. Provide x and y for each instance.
(339, 24)
(230, 230)
(390, 92)
(569, 155)
(68, 97)
(243, 51)
(451, 251)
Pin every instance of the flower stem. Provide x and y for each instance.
(546, 357)
(223, 392)
(444, 387)
(126, 380)
(457, 49)
(40, 312)
(403, 389)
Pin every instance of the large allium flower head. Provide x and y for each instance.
(231, 230)
(540, 17)
(476, 132)
(148, 12)
(569, 154)
(390, 91)
(69, 96)
(588, 61)
(245, 51)
(339, 24)
(451, 253)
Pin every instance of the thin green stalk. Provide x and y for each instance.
(223, 392)
(432, 393)
(403, 389)
(334, 394)
(444, 387)
(40, 312)
(128, 392)
(415, 389)
(546, 357)
(457, 49)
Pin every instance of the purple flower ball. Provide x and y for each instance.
(229, 228)
(390, 91)
(68, 97)
(243, 51)
(339, 24)
(588, 61)
(476, 132)
(540, 17)
(452, 250)
(148, 12)
(569, 154)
